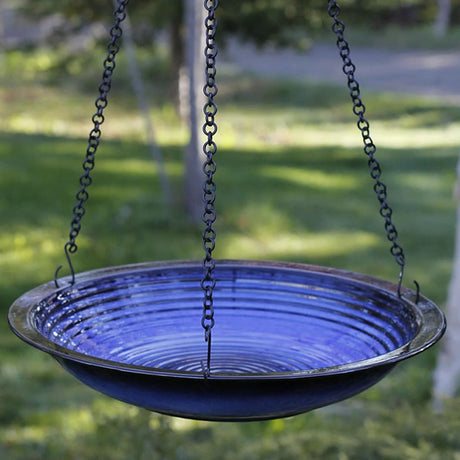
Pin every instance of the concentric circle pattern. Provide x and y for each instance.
(269, 319)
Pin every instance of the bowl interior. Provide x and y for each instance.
(269, 318)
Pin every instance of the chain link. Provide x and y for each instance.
(209, 167)
(380, 188)
(94, 135)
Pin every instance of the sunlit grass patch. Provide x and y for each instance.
(306, 246)
(311, 178)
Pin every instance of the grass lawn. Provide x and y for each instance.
(292, 185)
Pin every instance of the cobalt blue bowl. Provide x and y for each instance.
(288, 337)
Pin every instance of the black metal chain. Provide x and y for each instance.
(380, 188)
(209, 167)
(94, 135)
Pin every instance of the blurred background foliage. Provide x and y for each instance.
(294, 23)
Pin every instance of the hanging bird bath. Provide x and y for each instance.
(289, 337)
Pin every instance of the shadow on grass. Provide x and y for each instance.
(272, 199)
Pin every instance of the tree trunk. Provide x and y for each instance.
(142, 102)
(194, 156)
(447, 372)
(1, 33)
(179, 78)
(442, 18)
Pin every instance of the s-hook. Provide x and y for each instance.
(69, 261)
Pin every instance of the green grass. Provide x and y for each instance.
(292, 185)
